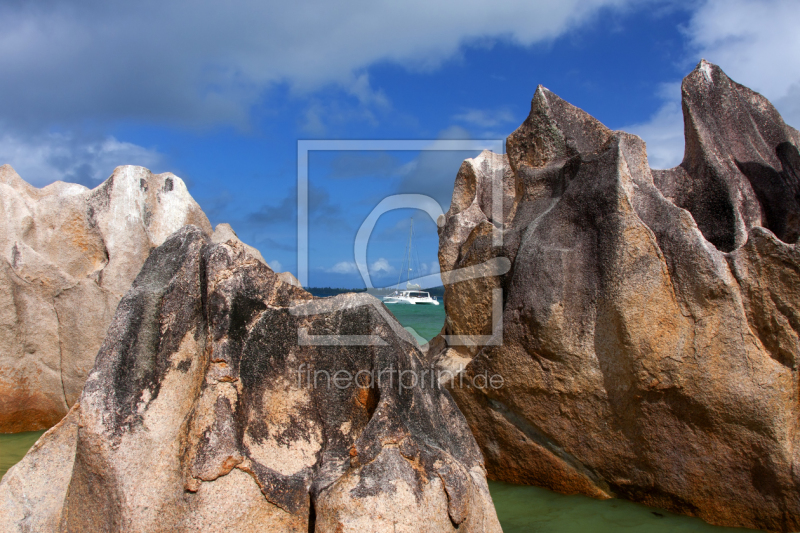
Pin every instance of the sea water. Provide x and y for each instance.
(525, 509)
(520, 509)
(425, 320)
(14, 446)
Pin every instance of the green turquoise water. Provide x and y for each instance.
(520, 509)
(525, 509)
(425, 320)
(13, 447)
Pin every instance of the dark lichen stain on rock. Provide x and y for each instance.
(204, 351)
(77, 252)
(651, 318)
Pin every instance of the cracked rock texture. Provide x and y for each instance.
(200, 414)
(67, 256)
(650, 318)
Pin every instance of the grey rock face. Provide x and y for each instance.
(201, 414)
(740, 169)
(68, 256)
(650, 319)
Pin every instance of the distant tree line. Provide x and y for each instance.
(324, 292)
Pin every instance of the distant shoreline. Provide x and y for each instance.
(323, 292)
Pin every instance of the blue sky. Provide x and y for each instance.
(220, 94)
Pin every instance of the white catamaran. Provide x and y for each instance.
(412, 293)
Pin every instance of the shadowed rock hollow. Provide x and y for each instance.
(199, 415)
(69, 254)
(650, 319)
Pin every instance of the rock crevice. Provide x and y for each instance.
(70, 253)
(650, 318)
(201, 412)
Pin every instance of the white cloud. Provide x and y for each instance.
(42, 159)
(208, 62)
(663, 134)
(789, 105)
(205, 63)
(275, 265)
(343, 267)
(755, 42)
(381, 266)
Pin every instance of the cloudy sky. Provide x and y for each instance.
(219, 93)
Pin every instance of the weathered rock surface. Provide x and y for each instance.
(650, 319)
(199, 415)
(68, 256)
(224, 233)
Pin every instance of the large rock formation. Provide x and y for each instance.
(202, 414)
(67, 256)
(650, 319)
(224, 233)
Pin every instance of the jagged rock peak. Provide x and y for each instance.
(67, 255)
(554, 130)
(224, 233)
(204, 412)
(741, 167)
(650, 337)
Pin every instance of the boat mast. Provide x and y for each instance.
(410, 233)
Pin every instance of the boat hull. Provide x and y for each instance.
(393, 301)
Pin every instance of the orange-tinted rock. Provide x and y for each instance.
(650, 319)
(200, 415)
(68, 256)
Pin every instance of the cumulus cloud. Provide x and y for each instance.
(663, 133)
(428, 268)
(207, 62)
(343, 267)
(755, 42)
(43, 159)
(381, 266)
(378, 267)
(275, 265)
